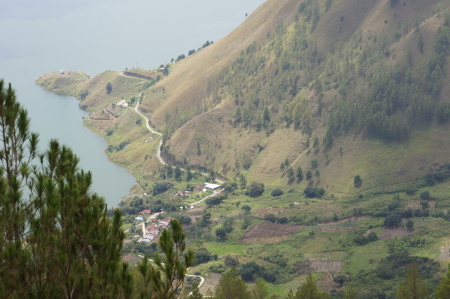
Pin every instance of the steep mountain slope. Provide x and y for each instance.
(344, 87)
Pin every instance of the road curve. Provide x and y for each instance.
(158, 151)
(202, 279)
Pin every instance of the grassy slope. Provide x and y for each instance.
(138, 156)
(384, 167)
(184, 87)
(224, 145)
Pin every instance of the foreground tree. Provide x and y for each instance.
(195, 294)
(349, 293)
(54, 232)
(260, 291)
(18, 149)
(443, 289)
(165, 277)
(413, 287)
(231, 286)
(56, 240)
(309, 290)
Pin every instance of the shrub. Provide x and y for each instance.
(161, 187)
(255, 189)
(392, 220)
(425, 195)
(246, 208)
(109, 88)
(270, 217)
(314, 192)
(277, 192)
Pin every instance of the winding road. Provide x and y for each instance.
(158, 156)
(202, 279)
(153, 131)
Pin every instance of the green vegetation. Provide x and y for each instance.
(328, 130)
(56, 238)
(109, 88)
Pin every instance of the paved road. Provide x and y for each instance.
(158, 152)
(136, 109)
(206, 197)
(202, 279)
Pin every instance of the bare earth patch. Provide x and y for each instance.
(333, 229)
(267, 211)
(195, 212)
(329, 226)
(270, 232)
(318, 266)
(347, 220)
(445, 253)
(102, 115)
(394, 233)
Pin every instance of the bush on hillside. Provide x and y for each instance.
(314, 192)
(277, 192)
(255, 189)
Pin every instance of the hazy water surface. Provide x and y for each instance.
(93, 36)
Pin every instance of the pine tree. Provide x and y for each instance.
(55, 238)
(195, 293)
(18, 149)
(299, 173)
(413, 287)
(166, 276)
(443, 289)
(309, 290)
(349, 293)
(231, 286)
(260, 291)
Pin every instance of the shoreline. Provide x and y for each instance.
(68, 83)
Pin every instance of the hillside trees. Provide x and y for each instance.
(54, 233)
(443, 289)
(165, 278)
(255, 189)
(413, 286)
(109, 87)
(56, 240)
(364, 83)
(231, 286)
(309, 290)
(397, 98)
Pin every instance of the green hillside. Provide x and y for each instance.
(316, 75)
(327, 120)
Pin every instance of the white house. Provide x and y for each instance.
(211, 186)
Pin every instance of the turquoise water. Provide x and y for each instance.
(93, 36)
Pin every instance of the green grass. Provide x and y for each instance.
(385, 168)
(276, 289)
(224, 249)
(364, 257)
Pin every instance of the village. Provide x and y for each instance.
(150, 224)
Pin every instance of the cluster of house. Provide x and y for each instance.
(146, 212)
(123, 104)
(206, 187)
(183, 193)
(152, 231)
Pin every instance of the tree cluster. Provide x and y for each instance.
(56, 239)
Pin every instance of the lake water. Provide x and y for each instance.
(93, 36)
